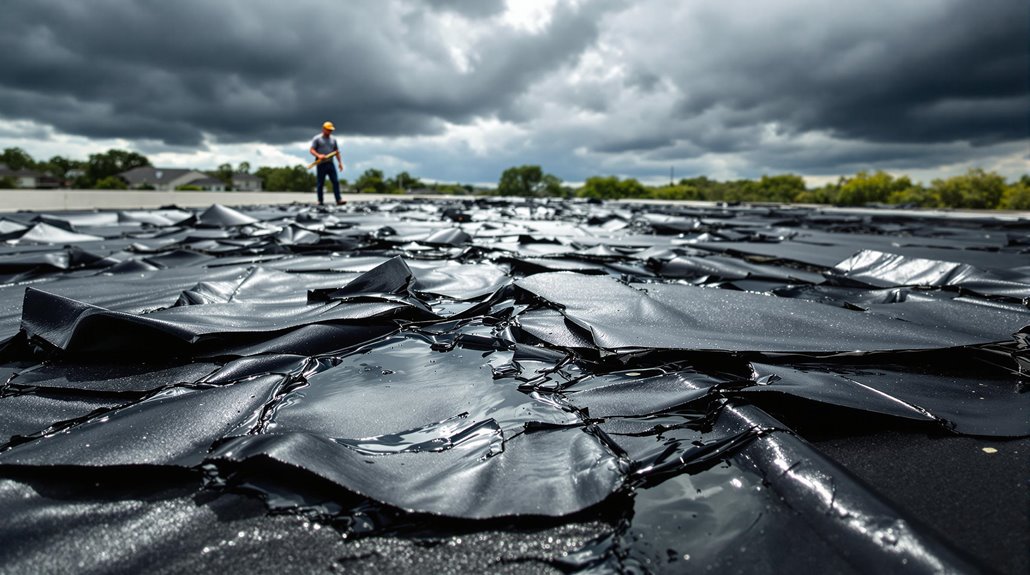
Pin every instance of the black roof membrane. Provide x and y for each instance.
(431, 370)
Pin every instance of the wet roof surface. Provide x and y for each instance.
(513, 386)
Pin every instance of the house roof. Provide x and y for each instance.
(245, 178)
(152, 175)
(207, 182)
(7, 172)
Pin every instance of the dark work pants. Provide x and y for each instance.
(323, 170)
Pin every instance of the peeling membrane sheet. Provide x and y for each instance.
(513, 386)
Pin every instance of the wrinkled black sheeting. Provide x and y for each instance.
(222, 216)
(481, 478)
(392, 277)
(530, 266)
(471, 430)
(171, 429)
(457, 281)
(129, 293)
(76, 327)
(880, 269)
(963, 392)
(769, 491)
(727, 269)
(401, 384)
(618, 316)
(29, 414)
(874, 536)
(977, 319)
(669, 531)
(977, 390)
(50, 261)
(309, 340)
(260, 364)
(44, 233)
(392, 280)
(464, 416)
(111, 377)
(828, 255)
(636, 394)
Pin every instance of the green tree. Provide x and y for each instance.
(823, 195)
(550, 185)
(865, 188)
(371, 182)
(59, 166)
(676, 192)
(450, 189)
(611, 187)
(224, 173)
(405, 181)
(111, 183)
(111, 163)
(519, 181)
(600, 187)
(286, 179)
(915, 195)
(528, 180)
(781, 188)
(243, 168)
(8, 183)
(1017, 195)
(631, 188)
(975, 189)
(707, 189)
(17, 159)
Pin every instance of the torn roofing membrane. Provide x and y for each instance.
(405, 372)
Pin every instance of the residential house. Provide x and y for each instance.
(167, 179)
(28, 178)
(246, 183)
(208, 184)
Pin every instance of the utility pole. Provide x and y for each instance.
(672, 175)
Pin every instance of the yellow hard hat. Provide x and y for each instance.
(328, 126)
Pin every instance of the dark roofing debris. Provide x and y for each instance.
(513, 386)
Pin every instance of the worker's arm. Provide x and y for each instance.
(339, 159)
(316, 154)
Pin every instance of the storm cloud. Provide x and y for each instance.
(583, 87)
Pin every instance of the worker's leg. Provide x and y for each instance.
(335, 179)
(320, 173)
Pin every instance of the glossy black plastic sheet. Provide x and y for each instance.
(414, 371)
(668, 316)
(773, 491)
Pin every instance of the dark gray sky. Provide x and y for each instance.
(461, 90)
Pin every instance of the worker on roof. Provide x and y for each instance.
(323, 147)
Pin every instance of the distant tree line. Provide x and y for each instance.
(99, 171)
(976, 189)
